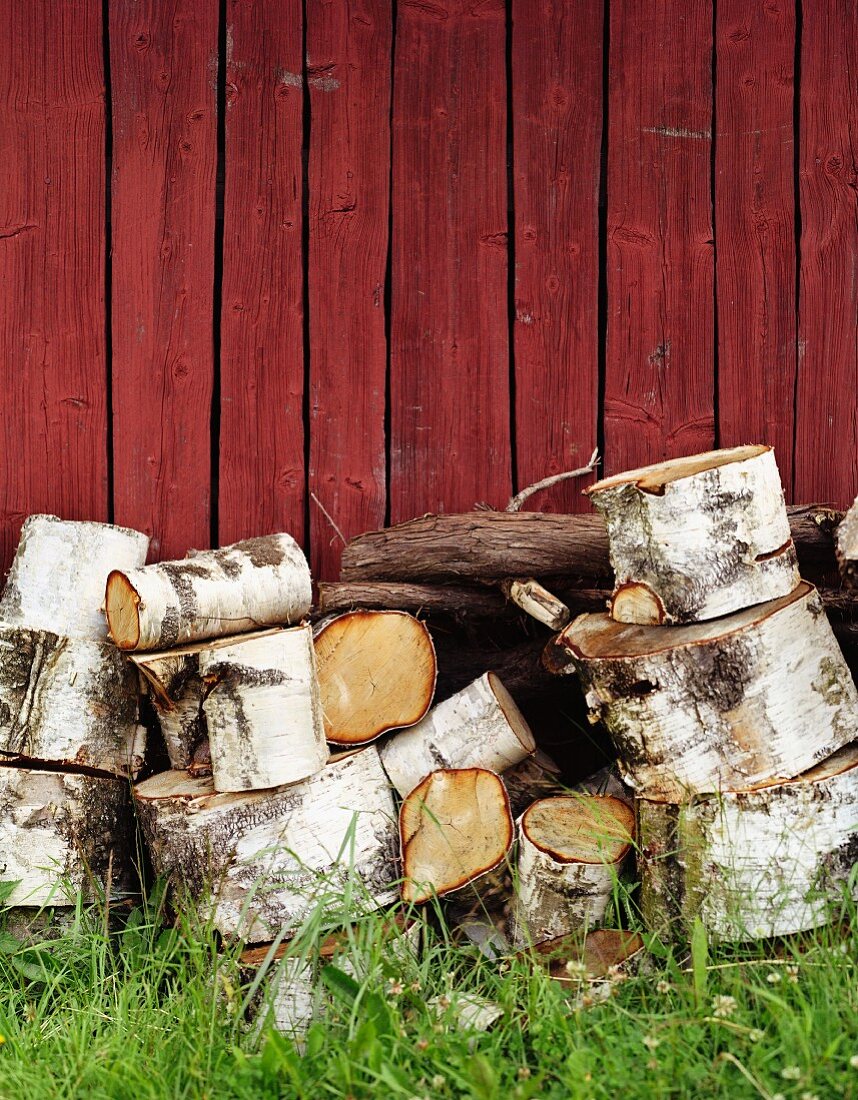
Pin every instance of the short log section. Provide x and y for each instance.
(61, 834)
(377, 672)
(261, 861)
(57, 579)
(68, 700)
(571, 851)
(175, 689)
(752, 698)
(752, 864)
(698, 537)
(478, 727)
(210, 594)
(262, 710)
(454, 827)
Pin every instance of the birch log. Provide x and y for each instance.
(846, 545)
(261, 861)
(175, 688)
(571, 850)
(57, 578)
(68, 700)
(60, 834)
(697, 537)
(262, 710)
(755, 863)
(479, 727)
(755, 697)
(209, 594)
(454, 827)
(377, 672)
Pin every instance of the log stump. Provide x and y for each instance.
(210, 594)
(750, 864)
(571, 851)
(260, 861)
(698, 537)
(760, 695)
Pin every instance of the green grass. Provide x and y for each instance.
(149, 1012)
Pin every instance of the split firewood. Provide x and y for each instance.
(759, 695)
(846, 545)
(260, 861)
(454, 827)
(571, 850)
(595, 954)
(175, 688)
(377, 672)
(493, 546)
(210, 594)
(536, 776)
(698, 537)
(70, 700)
(538, 602)
(752, 864)
(61, 834)
(56, 583)
(262, 710)
(480, 727)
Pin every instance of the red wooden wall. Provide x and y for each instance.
(324, 264)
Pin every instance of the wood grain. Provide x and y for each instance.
(826, 445)
(348, 68)
(557, 120)
(449, 384)
(164, 63)
(53, 441)
(262, 480)
(755, 226)
(659, 372)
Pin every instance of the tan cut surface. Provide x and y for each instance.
(580, 828)
(120, 607)
(652, 478)
(376, 673)
(454, 826)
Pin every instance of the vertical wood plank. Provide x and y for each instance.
(53, 381)
(659, 372)
(557, 120)
(163, 59)
(755, 225)
(826, 459)
(450, 432)
(348, 71)
(262, 479)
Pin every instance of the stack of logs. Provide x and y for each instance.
(732, 710)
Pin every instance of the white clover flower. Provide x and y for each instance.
(723, 1006)
(773, 978)
(663, 986)
(651, 1042)
(755, 1035)
(791, 1073)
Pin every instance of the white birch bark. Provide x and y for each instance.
(262, 710)
(478, 727)
(58, 575)
(753, 698)
(756, 863)
(60, 833)
(209, 594)
(377, 672)
(175, 689)
(68, 700)
(698, 537)
(571, 850)
(261, 861)
(455, 827)
(846, 545)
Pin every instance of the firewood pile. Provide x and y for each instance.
(417, 735)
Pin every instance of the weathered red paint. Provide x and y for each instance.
(262, 478)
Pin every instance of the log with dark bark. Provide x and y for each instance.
(754, 697)
(61, 834)
(756, 863)
(496, 546)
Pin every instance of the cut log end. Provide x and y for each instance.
(121, 602)
(454, 826)
(517, 721)
(580, 828)
(637, 603)
(652, 479)
(376, 671)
